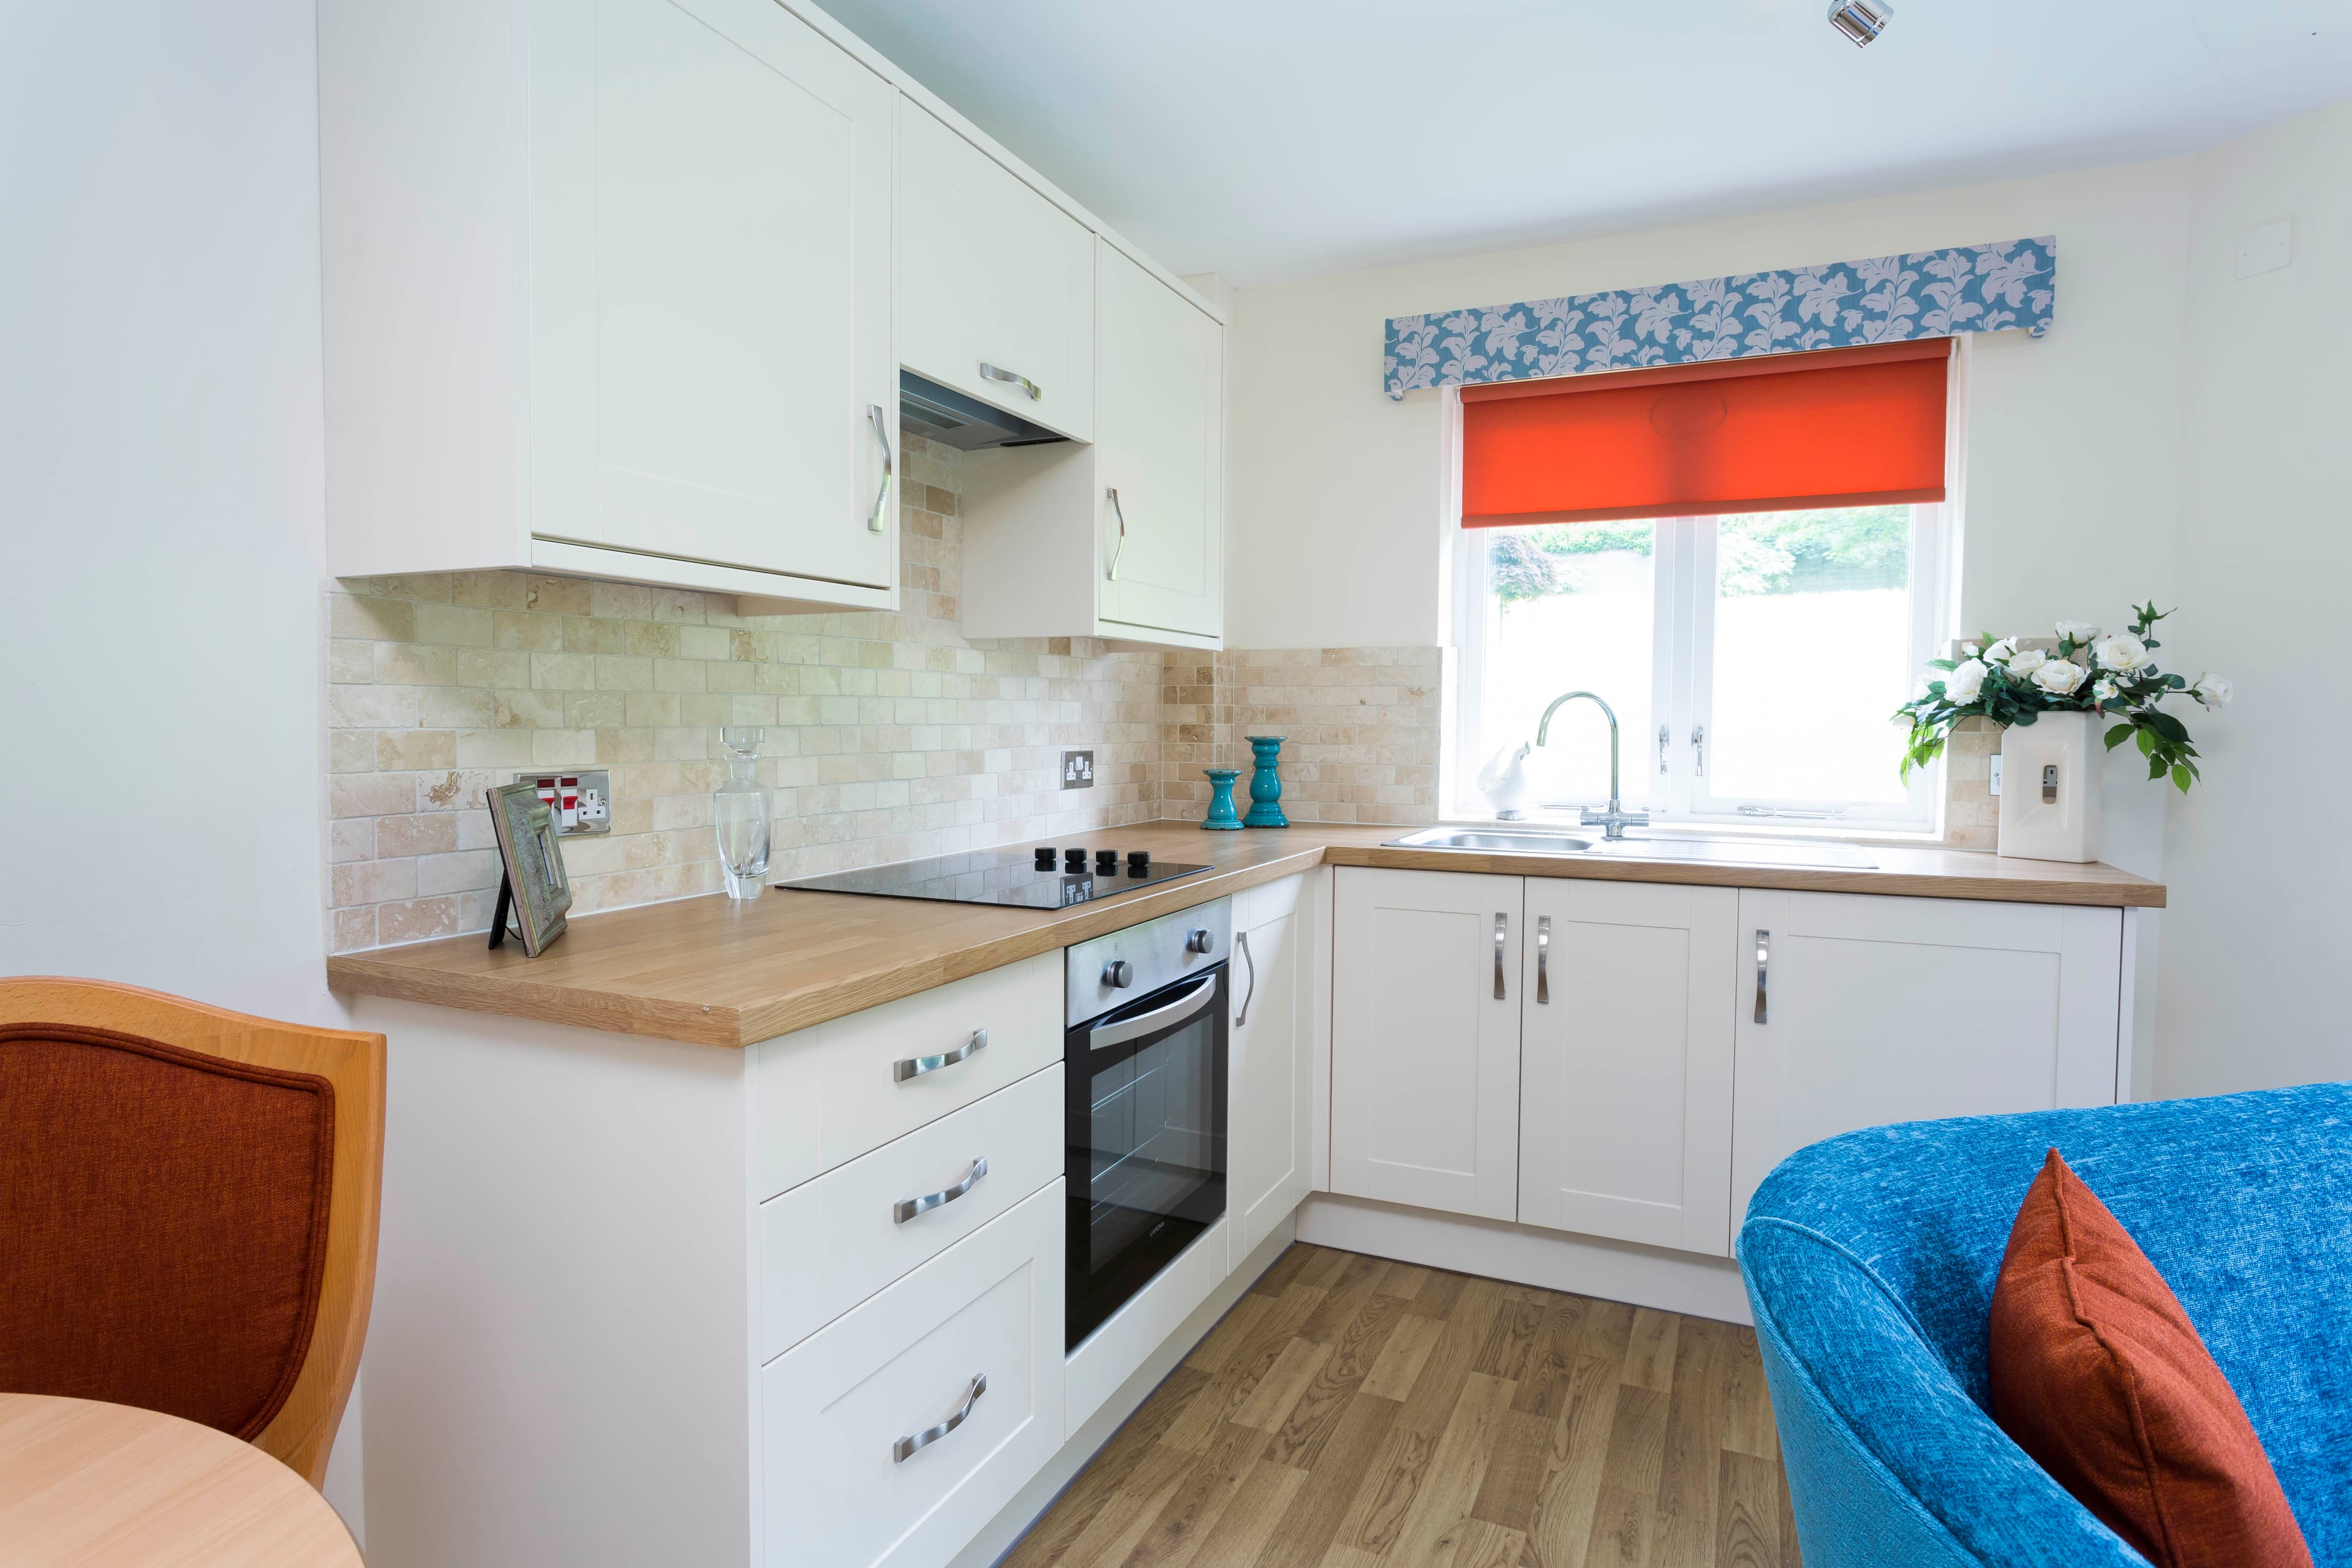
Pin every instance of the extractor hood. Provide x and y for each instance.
(939, 413)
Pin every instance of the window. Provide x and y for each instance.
(1746, 563)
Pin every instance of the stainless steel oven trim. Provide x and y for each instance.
(1196, 1000)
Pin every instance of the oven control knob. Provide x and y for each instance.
(1118, 973)
(1203, 940)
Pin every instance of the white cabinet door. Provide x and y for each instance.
(1425, 1039)
(1159, 431)
(1872, 1010)
(1625, 1066)
(990, 273)
(709, 281)
(1267, 1081)
(891, 1435)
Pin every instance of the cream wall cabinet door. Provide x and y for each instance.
(1625, 1067)
(1160, 430)
(608, 291)
(1872, 1010)
(1425, 1039)
(1267, 1079)
(993, 274)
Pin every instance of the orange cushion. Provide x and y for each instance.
(2099, 1375)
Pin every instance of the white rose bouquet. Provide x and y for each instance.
(2113, 673)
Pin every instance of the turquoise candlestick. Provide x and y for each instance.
(1220, 798)
(1265, 783)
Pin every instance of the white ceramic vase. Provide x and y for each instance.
(2049, 787)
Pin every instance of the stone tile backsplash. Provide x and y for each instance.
(888, 735)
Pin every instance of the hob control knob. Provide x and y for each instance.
(1045, 858)
(1201, 941)
(1119, 974)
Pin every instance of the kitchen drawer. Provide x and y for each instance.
(828, 1094)
(836, 1408)
(828, 1244)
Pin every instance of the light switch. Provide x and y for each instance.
(2266, 250)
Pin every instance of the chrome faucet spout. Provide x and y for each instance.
(1612, 822)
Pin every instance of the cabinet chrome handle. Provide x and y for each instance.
(1120, 549)
(1543, 960)
(1502, 930)
(1763, 959)
(1242, 942)
(881, 433)
(916, 1067)
(1699, 751)
(906, 1449)
(1012, 378)
(906, 1209)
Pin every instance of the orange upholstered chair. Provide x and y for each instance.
(187, 1209)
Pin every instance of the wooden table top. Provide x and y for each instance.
(89, 1485)
(714, 971)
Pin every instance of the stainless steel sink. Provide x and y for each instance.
(1719, 851)
(1493, 841)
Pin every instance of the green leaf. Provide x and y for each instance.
(2166, 726)
(2180, 777)
(2155, 768)
(2147, 742)
(2118, 735)
(1941, 664)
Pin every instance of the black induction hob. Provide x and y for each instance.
(1018, 878)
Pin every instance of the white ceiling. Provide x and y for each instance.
(1270, 139)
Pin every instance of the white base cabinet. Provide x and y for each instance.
(1425, 1039)
(1271, 968)
(1873, 1010)
(1625, 1079)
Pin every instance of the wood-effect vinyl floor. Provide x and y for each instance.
(1351, 1411)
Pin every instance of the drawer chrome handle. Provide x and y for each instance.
(881, 433)
(1249, 958)
(1763, 958)
(1543, 960)
(906, 1449)
(906, 1209)
(916, 1067)
(1119, 512)
(1012, 378)
(1502, 930)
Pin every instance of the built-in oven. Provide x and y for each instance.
(1144, 1069)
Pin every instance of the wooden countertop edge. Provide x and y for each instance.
(385, 972)
(2135, 893)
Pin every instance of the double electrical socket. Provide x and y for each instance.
(1077, 770)
(581, 802)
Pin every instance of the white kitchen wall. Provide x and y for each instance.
(2256, 937)
(159, 496)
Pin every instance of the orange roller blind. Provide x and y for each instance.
(1839, 428)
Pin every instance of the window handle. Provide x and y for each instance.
(1699, 751)
(1763, 960)
(1502, 934)
(1543, 960)
(1666, 739)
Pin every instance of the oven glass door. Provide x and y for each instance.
(1144, 1140)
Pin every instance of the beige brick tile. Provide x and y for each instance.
(372, 882)
(455, 708)
(453, 624)
(490, 590)
(350, 839)
(350, 661)
(620, 601)
(594, 710)
(521, 631)
(620, 673)
(529, 710)
(432, 833)
(416, 919)
(561, 748)
(457, 872)
(409, 750)
(370, 707)
(371, 618)
(493, 667)
(677, 675)
(562, 672)
(494, 748)
(558, 595)
(370, 795)
(352, 930)
(350, 751)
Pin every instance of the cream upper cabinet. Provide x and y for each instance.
(1625, 1076)
(996, 284)
(1852, 1011)
(1159, 423)
(1425, 1004)
(608, 292)
(1266, 1078)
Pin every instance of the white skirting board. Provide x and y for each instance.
(1655, 1277)
(1000, 1535)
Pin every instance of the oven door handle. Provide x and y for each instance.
(1196, 1000)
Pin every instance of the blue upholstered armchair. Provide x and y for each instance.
(1870, 1261)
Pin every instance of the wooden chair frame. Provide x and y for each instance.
(303, 1431)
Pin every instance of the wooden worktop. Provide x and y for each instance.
(713, 971)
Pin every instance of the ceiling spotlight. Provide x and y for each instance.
(1861, 20)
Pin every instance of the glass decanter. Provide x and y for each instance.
(739, 814)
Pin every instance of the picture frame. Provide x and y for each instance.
(532, 881)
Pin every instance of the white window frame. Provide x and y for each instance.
(1681, 695)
